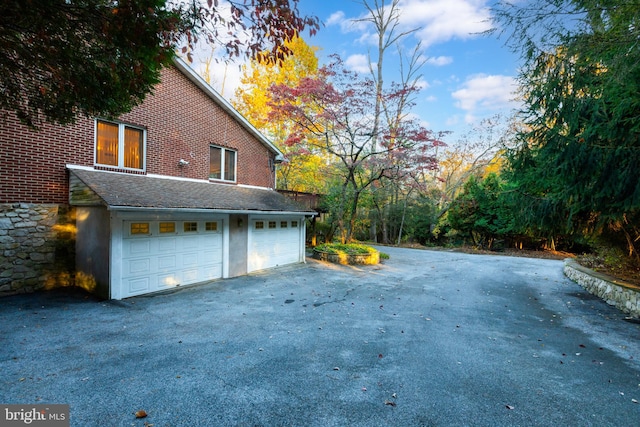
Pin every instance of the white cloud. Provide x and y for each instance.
(482, 94)
(439, 61)
(453, 120)
(437, 21)
(443, 20)
(336, 18)
(358, 63)
(422, 84)
(346, 25)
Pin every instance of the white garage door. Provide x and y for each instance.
(158, 255)
(274, 242)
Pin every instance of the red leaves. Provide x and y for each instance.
(269, 26)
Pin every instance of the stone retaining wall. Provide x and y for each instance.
(365, 259)
(36, 247)
(623, 296)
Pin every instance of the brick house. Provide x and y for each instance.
(178, 191)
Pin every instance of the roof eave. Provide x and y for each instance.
(210, 210)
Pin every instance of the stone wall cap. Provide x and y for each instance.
(570, 262)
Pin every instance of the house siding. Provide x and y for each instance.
(182, 123)
(181, 120)
(32, 164)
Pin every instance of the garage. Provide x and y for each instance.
(137, 235)
(275, 241)
(157, 255)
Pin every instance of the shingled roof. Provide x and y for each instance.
(118, 190)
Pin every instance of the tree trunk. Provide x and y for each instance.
(352, 218)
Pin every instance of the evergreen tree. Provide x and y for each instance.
(577, 162)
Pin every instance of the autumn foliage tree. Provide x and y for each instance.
(61, 58)
(333, 112)
(302, 167)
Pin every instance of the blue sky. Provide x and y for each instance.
(467, 76)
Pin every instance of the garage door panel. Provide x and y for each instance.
(211, 272)
(154, 262)
(167, 244)
(139, 285)
(210, 257)
(190, 242)
(273, 246)
(190, 275)
(167, 280)
(137, 267)
(167, 263)
(135, 247)
(189, 259)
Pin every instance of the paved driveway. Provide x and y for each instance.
(426, 339)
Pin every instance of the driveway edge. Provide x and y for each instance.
(624, 296)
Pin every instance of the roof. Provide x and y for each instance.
(89, 187)
(225, 105)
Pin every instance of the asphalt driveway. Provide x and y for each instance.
(428, 338)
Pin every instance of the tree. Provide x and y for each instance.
(302, 167)
(481, 211)
(385, 20)
(477, 152)
(332, 111)
(61, 58)
(581, 90)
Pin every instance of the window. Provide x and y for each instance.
(272, 224)
(283, 224)
(222, 164)
(119, 145)
(259, 225)
(211, 226)
(167, 227)
(190, 226)
(139, 228)
(294, 224)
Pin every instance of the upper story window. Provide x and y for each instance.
(222, 164)
(119, 145)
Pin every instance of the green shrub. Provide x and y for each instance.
(345, 248)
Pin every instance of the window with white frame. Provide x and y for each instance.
(222, 163)
(119, 145)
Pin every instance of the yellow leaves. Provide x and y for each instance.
(252, 99)
(495, 164)
(258, 77)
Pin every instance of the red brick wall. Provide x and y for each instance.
(181, 122)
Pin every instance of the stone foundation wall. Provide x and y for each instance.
(623, 296)
(36, 247)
